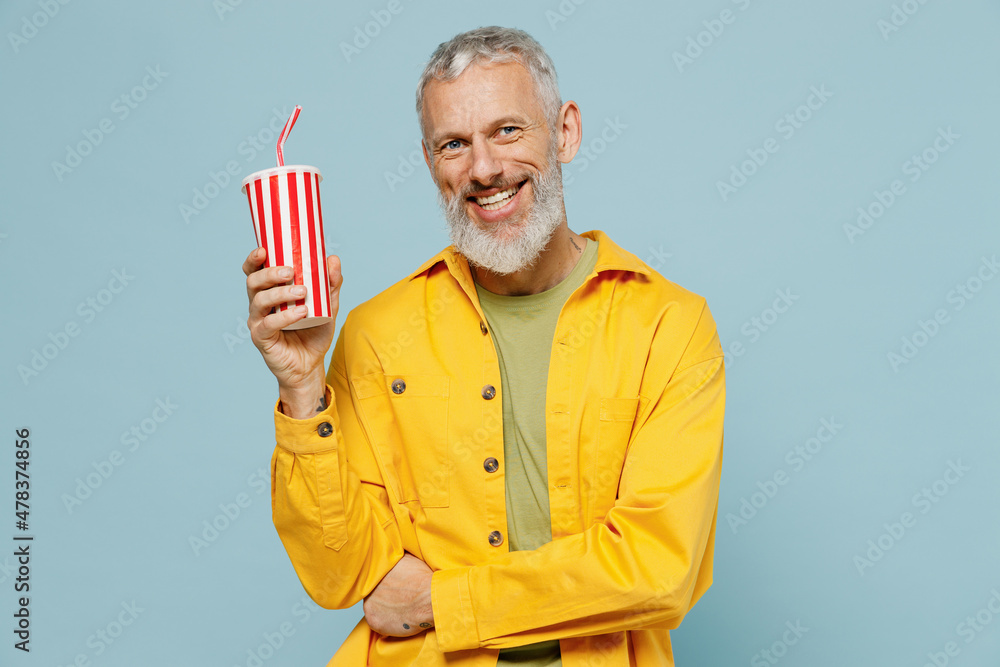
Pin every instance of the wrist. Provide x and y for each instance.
(304, 402)
(423, 605)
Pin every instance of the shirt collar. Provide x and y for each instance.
(610, 257)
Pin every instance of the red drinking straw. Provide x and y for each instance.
(284, 134)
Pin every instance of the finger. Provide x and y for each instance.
(267, 278)
(267, 328)
(254, 261)
(264, 300)
(336, 279)
(334, 273)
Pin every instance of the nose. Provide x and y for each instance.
(485, 165)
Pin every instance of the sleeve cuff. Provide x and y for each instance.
(319, 433)
(454, 617)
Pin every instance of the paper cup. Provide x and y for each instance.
(288, 221)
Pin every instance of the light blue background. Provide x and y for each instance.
(174, 331)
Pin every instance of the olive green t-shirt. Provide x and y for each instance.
(523, 328)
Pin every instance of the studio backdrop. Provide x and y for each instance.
(824, 174)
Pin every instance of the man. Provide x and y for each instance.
(516, 450)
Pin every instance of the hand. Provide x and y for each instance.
(400, 606)
(294, 357)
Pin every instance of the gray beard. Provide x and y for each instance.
(515, 244)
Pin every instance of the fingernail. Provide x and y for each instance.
(299, 291)
(285, 273)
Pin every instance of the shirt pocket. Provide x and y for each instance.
(615, 421)
(406, 416)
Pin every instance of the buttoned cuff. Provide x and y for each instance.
(454, 617)
(308, 436)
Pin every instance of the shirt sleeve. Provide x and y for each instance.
(650, 559)
(328, 501)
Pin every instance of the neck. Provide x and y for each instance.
(554, 263)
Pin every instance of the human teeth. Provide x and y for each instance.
(496, 201)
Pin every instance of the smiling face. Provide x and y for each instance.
(494, 157)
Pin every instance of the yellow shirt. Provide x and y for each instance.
(400, 462)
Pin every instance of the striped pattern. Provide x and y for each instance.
(289, 124)
(285, 208)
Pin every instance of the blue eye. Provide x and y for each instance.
(454, 144)
(509, 127)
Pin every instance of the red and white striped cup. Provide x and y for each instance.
(288, 221)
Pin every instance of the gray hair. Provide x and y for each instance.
(493, 45)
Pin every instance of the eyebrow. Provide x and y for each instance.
(510, 120)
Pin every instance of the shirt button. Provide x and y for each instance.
(496, 539)
(482, 327)
(324, 430)
(489, 391)
(491, 464)
(398, 386)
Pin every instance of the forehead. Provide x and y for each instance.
(483, 93)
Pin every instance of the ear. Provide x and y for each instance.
(569, 131)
